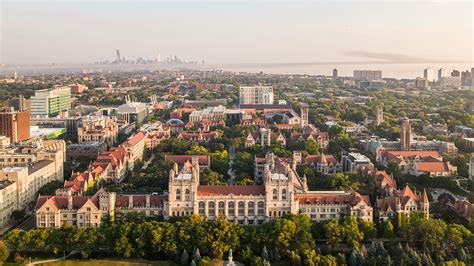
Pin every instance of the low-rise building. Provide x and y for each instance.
(356, 162)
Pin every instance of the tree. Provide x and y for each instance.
(184, 258)
(368, 228)
(196, 255)
(333, 232)
(4, 253)
(386, 230)
(211, 178)
(352, 234)
(50, 188)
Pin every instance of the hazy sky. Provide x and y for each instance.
(236, 32)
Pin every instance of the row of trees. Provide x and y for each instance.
(293, 238)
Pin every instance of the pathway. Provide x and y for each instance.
(72, 253)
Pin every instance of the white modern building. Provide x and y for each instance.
(256, 95)
(51, 102)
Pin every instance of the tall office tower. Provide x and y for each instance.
(334, 73)
(442, 73)
(405, 134)
(118, 58)
(304, 114)
(256, 95)
(455, 73)
(15, 124)
(379, 116)
(15, 75)
(367, 75)
(428, 74)
(50, 102)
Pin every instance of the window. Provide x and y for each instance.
(187, 195)
(221, 209)
(241, 208)
(178, 194)
(231, 209)
(212, 209)
(201, 208)
(275, 194)
(283, 194)
(251, 208)
(260, 208)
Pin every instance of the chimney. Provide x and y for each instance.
(69, 200)
(130, 201)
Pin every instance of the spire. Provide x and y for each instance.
(323, 158)
(425, 196)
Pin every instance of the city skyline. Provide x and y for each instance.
(237, 32)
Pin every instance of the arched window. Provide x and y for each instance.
(221, 209)
(251, 208)
(260, 208)
(187, 196)
(212, 209)
(283, 194)
(202, 211)
(178, 194)
(241, 208)
(275, 194)
(231, 208)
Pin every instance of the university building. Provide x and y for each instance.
(283, 192)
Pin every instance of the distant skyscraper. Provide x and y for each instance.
(428, 74)
(442, 73)
(334, 73)
(256, 95)
(118, 58)
(405, 134)
(455, 73)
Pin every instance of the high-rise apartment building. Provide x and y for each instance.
(368, 75)
(405, 134)
(466, 78)
(256, 95)
(334, 73)
(455, 73)
(428, 74)
(15, 124)
(450, 81)
(442, 73)
(50, 102)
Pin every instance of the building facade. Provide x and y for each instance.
(50, 102)
(15, 124)
(256, 95)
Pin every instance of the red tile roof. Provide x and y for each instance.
(136, 138)
(432, 167)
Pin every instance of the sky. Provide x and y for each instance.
(44, 32)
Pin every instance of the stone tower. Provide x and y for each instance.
(183, 184)
(405, 134)
(304, 114)
(379, 116)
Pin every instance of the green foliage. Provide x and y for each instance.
(4, 253)
(50, 188)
